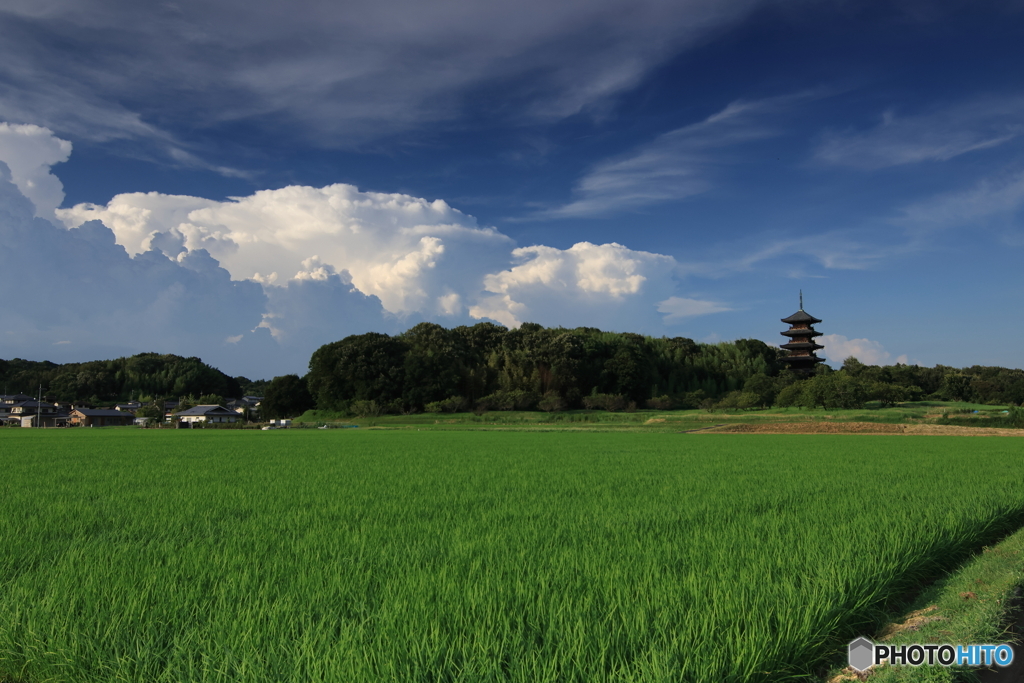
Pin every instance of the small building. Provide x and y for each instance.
(211, 414)
(7, 403)
(246, 406)
(38, 414)
(95, 417)
(129, 407)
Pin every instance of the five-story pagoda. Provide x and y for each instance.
(801, 346)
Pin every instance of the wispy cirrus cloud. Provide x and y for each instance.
(989, 198)
(677, 308)
(831, 250)
(334, 75)
(937, 135)
(677, 164)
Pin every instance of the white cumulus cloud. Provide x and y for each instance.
(29, 151)
(265, 279)
(838, 348)
(587, 284)
(410, 253)
(414, 256)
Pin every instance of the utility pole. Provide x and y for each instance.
(39, 406)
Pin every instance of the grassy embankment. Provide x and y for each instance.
(975, 604)
(300, 555)
(921, 412)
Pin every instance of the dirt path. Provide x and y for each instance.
(858, 428)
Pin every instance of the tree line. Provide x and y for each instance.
(489, 367)
(144, 377)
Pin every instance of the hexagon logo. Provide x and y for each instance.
(861, 654)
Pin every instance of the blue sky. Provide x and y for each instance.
(247, 181)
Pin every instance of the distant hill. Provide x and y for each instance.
(149, 375)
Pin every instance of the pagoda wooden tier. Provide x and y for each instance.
(801, 346)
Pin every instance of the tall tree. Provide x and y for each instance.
(286, 396)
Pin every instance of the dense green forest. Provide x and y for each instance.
(488, 367)
(146, 376)
(492, 367)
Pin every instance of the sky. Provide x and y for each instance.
(244, 182)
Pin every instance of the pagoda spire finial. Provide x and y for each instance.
(801, 299)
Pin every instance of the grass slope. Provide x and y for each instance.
(299, 555)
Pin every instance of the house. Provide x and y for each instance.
(7, 402)
(246, 404)
(37, 414)
(89, 417)
(212, 414)
(129, 407)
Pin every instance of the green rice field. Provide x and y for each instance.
(359, 555)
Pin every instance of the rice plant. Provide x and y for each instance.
(339, 555)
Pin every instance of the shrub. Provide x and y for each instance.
(551, 402)
(1016, 418)
(691, 400)
(515, 399)
(452, 404)
(365, 409)
(609, 402)
(661, 403)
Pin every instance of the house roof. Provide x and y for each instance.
(100, 412)
(206, 410)
(801, 316)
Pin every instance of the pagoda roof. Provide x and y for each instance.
(801, 333)
(799, 360)
(801, 346)
(801, 316)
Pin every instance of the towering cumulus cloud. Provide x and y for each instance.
(412, 254)
(417, 258)
(255, 284)
(29, 152)
(78, 295)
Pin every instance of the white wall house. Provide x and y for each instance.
(213, 414)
